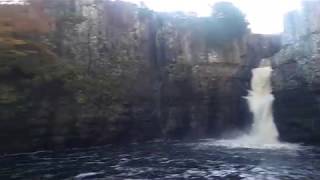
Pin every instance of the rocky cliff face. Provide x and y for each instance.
(146, 75)
(186, 88)
(296, 76)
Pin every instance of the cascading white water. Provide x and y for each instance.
(263, 134)
(260, 100)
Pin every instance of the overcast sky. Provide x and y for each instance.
(265, 16)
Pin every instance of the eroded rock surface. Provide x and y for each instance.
(296, 76)
(146, 75)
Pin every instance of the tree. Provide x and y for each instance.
(231, 18)
(26, 19)
(226, 23)
(20, 25)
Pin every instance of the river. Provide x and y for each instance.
(204, 159)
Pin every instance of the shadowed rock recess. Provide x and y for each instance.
(296, 77)
(118, 72)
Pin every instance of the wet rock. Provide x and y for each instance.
(143, 75)
(296, 76)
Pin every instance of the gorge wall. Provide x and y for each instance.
(296, 77)
(126, 73)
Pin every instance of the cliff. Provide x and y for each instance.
(125, 73)
(296, 76)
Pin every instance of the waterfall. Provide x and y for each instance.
(263, 133)
(260, 100)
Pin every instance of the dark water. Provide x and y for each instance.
(161, 160)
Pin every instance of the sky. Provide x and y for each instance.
(264, 16)
(10, 2)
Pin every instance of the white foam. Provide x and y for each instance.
(260, 100)
(85, 175)
(240, 143)
(264, 133)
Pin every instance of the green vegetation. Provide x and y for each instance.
(48, 93)
(226, 23)
(47, 96)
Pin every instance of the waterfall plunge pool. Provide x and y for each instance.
(205, 159)
(257, 155)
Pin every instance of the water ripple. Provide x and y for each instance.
(207, 159)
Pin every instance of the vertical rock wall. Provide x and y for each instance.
(182, 87)
(297, 74)
(190, 90)
(136, 75)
